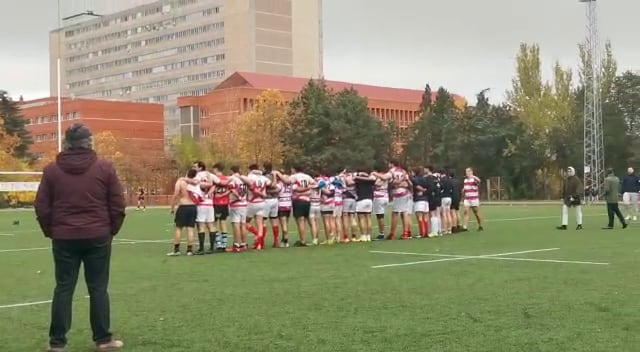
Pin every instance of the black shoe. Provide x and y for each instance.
(199, 252)
(625, 225)
(480, 228)
(608, 228)
(380, 237)
(562, 227)
(579, 227)
(299, 244)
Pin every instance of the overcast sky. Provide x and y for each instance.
(464, 45)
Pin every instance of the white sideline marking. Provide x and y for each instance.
(470, 220)
(122, 241)
(7, 234)
(451, 257)
(27, 304)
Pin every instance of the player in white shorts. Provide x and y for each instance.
(365, 188)
(205, 219)
(238, 210)
(257, 209)
(471, 194)
(401, 195)
(630, 189)
(271, 203)
(349, 220)
(327, 209)
(381, 199)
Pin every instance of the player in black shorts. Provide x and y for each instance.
(455, 202)
(185, 215)
(141, 202)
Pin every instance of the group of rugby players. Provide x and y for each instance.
(344, 202)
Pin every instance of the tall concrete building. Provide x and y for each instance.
(161, 50)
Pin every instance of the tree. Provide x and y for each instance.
(185, 150)
(416, 150)
(106, 145)
(260, 130)
(443, 122)
(8, 144)
(14, 125)
(332, 131)
(545, 109)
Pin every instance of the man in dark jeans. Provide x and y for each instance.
(80, 206)
(611, 196)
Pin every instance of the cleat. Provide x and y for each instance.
(480, 228)
(625, 225)
(198, 252)
(562, 227)
(189, 253)
(174, 254)
(380, 237)
(579, 227)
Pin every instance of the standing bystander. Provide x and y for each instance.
(80, 206)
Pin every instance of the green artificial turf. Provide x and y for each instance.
(329, 298)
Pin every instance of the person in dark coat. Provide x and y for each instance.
(571, 198)
(80, 206)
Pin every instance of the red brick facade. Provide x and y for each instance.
(137, 124)
(220, 109)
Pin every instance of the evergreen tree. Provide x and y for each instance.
(14, 125)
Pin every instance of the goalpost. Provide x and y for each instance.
(18, 188)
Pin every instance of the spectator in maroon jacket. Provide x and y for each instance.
(80, 207)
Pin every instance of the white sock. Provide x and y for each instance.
(565, 215)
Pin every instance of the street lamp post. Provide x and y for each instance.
(58, 66)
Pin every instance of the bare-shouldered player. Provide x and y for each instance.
(381, 198)
(238, 210)
(185, 197)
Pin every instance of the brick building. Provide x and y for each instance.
(214, 114)
(137, 124)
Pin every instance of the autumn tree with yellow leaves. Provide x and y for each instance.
(260, 130)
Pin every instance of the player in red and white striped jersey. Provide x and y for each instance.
(401, 194)
(327, 208)
(238, 209)
(471, 197)
(256, 209)
(284, 207)
(271, 203)
(301, 185)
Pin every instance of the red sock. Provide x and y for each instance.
(276, 235)
(252, 229)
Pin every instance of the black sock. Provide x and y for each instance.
(176, 248)
(201, 240)
(189, 249)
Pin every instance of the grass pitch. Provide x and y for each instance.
(466, 295)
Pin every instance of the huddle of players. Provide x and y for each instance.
(343, 202)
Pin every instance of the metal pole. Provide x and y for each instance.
(59, 102)
(59, 94)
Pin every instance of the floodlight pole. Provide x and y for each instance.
(593, 132)
(58, 66)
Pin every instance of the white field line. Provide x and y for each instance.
(27, 304)
(451, 257)
(470, 220)
(492, 257)
(7, 234)
(121, 241)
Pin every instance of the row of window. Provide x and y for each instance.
(162, 53)
(171, 97)
(145, 42)
(218, 74)
(46, 137)
(150, 70)
(53, 118)
(129, 17)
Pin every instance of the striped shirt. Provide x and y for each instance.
(471, 188)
